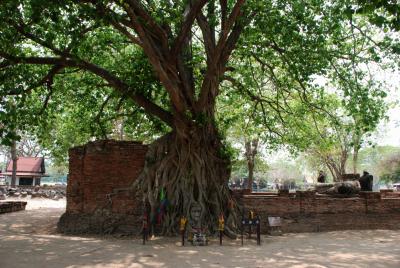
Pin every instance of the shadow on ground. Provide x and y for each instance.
(29, 239)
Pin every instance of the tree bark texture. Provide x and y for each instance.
(188, 164)
(251, 152)
(14, 159)
(356, 149)
(192, 172)
(336, 163)
(355, 160)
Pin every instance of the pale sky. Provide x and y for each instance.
(389, 132)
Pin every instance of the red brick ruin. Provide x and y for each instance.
(95, 171)
(99, 168)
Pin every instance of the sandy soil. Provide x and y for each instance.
(29, 239)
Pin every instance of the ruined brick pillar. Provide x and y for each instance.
(96, 170)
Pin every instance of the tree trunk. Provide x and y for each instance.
(336, 164)
(251, 152)
(343, 161)
(250, 166)
(355, 158)
(336, 169)
(14, 159)
(356, 149)
(190, 168)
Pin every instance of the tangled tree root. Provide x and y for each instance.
(190, 173)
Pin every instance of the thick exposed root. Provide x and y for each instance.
(193, 178)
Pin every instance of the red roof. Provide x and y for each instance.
(33, 165)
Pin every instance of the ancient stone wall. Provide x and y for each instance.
(311, 213)
(11, 206)
(96, 171)
(99, 168)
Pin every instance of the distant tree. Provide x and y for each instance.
(390, 168)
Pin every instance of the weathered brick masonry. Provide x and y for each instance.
(95, 171)
(11, 206)
(311, 213)
(98, 168)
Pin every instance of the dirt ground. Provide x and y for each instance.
(29, 239)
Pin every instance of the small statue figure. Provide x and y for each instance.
(182, 228)
(366, 181)
(221, 222)
(195, 216)
(321, 177)
(199, 237)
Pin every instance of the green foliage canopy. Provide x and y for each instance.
(70, 69)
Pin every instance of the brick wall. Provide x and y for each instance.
(11, 206)
(98, 168)
(313, 213)
(95, 171)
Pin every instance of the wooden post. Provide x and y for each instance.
(14, 159)
(249, 231)
(258, 231)
(221, 227)
(182, 227)
(242, 230)
(145, 227)
(251, 218)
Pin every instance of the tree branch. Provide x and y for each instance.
(37, 60)
(98, 116)
(46, 101)
(148, 22)
(123, 88)
(190, 16)
(125, 32)
(209, 41)
(223, 50)
(21, 30)
(114, 82)
(224, 12)
(166, 72)
(118, 23)
(235, 13)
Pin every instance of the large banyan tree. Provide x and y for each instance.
(173, 62)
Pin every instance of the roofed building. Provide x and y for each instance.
(30, 170)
